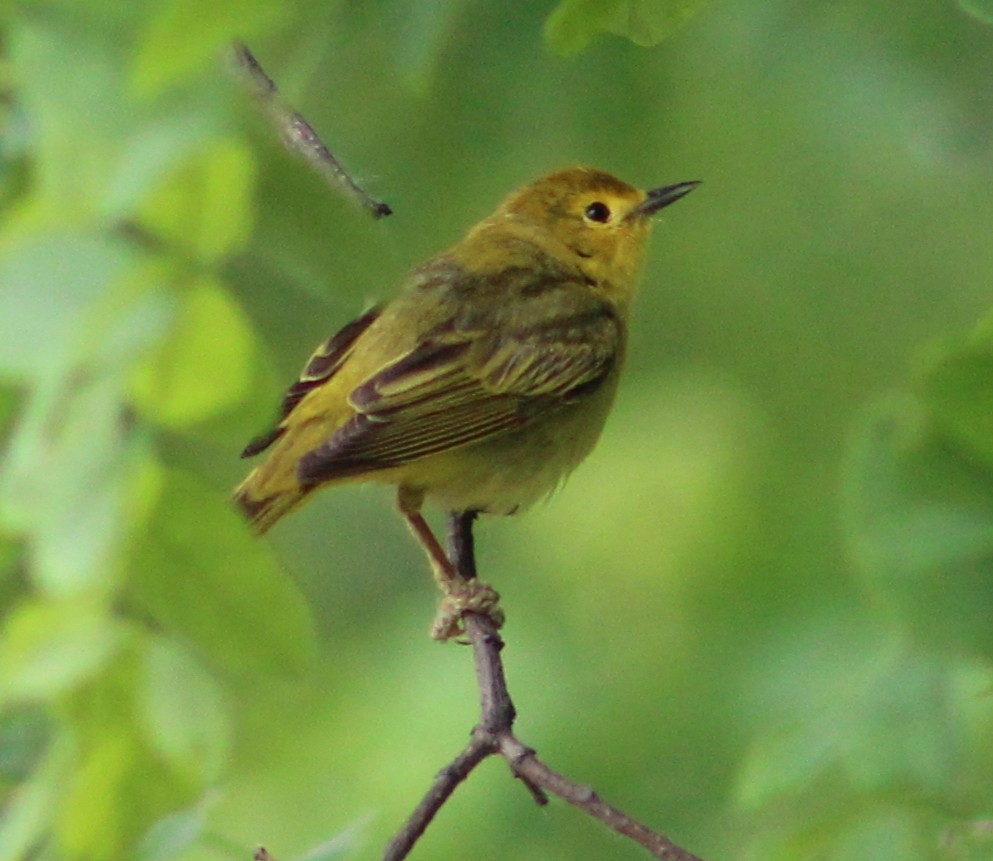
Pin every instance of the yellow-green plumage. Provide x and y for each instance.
(489, 378)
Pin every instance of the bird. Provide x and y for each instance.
(484, 383)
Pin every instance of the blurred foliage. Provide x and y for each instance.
(137, 587)
(573, 23)
(757, 618)
(981, 9)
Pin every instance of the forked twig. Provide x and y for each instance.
(298, 134)
(494, 735)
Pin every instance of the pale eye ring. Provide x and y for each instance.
(598, 211)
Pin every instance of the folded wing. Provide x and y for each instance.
(459, 386)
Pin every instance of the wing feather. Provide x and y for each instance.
(460, 387)
(320, 367)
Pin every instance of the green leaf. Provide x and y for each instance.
(72, 73)
(183, 711)
(780, 764)
(152, 152)
(574, 23)
(118, 789)
(185, 37)
(882, 832)
(971, 840)
(206, 207)
(199, 572)
(11, 398)
(919, 522)
(29, 814)
(981, 10)
(862, 829)
(343, 845)
(67, 474)
(10, 557)
(418, 34)
(48, 282)
(47, 648)
(648, 22)
(121, 784)
(67, 107)
(958, 389)
(70, 473)
(172, 834)
(203, 368)
(24, 733)
(839, 725)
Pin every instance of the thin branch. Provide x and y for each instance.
(445, 783)
(527, 765)
(298, 134)
(494, 735)
(495, 705)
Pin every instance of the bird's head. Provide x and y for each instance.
(597, 220)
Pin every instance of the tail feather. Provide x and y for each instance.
(263, 511)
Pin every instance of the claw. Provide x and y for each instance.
(471, 596)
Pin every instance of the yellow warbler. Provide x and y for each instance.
(488, 379)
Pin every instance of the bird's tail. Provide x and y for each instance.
(263, 510)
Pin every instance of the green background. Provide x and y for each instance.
(758, 618)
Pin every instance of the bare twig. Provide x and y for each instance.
(299, 135)
(494, 735)
(445, 783)
(527, 766)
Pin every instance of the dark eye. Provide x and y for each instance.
(598, 212)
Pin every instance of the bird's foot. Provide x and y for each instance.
(461, 597)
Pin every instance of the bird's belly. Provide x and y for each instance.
(510, 471)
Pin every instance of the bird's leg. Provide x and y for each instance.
(462, 592)
(482, 598)
(461, 543)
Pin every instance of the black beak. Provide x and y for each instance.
(659, 198)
